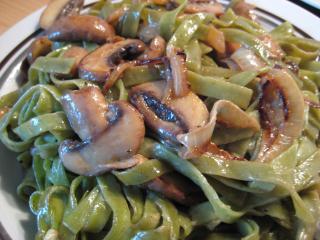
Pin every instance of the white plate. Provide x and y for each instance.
(14, 215)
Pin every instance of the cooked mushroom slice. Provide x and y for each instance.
(73, 7)
(176, 187)
(191, 109)
(241, 8)
(59, 8)
(247, 60)
(39, 47)
(98, 65)
(224, 112)
(180, 84)
(86, 110)
(116, 74)
(111, 149)
(214, 8)
(171, 118)
(156, 49)
(78, 53)
(81, 28)
(274, 48)
(281, 112)
(159, 117)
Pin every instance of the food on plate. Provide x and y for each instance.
(165, 120)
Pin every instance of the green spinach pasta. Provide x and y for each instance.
(166, 119)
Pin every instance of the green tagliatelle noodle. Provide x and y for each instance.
(238, 198)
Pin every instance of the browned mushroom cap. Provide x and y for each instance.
(81, 28)
(113, 148)
(98, 65)
(281, 113)
(39, 47)
(224, 112)
(176, 116)
(86, 111)
(57, 9)
(77, 53)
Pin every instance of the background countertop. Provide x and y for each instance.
(12, 11)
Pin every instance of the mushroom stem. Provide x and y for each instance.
(180, 84)
(104, 145)
(171, 118)
(224, 112)
(281, 112)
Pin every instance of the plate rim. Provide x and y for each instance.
(28, 25)
(313, 3)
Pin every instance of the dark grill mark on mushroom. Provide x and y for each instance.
(161, 110)
(166, 129)
(171, 117)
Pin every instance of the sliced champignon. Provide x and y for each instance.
(78, 53)
(213, 8)
(179, 82)
(225, 112)
(175, 116)
(73, 7)
(39, 47)
(241, 8)
(111, 148)
(155, 50)
(98, 65)
(274, 48)
(158, 117)
(116, 74)
(247, 60)
(86, 110)
(191, 109)
(281, 110)
(176, 187)
(81, 28)
(57, 9)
